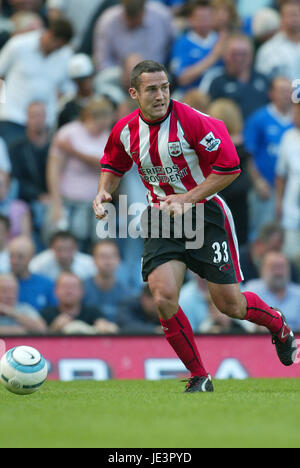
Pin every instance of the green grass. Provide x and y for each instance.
(138, 414)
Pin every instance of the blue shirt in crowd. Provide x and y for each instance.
(189, 49)
(262, 135)
(107, 301)
(38, 291)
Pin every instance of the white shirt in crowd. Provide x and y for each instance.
(46, 264)
(5, 164)
(279, 57)
(70, 9)
(30, 76)
(288, 167)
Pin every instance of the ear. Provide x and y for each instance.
(133, 93)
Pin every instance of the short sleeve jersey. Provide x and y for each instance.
(174, 154)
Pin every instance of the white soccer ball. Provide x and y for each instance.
(23, 370)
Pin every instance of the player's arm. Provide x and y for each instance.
(29, 323)
(108, 184)
(213, 184)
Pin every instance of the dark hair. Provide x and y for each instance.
(147, 66)
(269, 229)
(133, 8)
(107, 242)
(62, 235)
(61, 29)
(194, 4)
(5, 220)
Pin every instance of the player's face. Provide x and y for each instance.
(153, 95)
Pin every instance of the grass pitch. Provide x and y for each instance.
(143, 414)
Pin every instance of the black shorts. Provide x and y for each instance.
(217, 260)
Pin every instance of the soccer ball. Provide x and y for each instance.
(23, 370)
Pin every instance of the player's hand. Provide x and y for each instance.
(99, 204)
(175, 205)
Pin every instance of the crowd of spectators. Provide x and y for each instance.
(64, 75)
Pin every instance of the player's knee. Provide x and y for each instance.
(166, 302)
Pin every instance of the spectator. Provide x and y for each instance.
(105, 288)
(4, 236)
(271, 238)
(63, 256)
(280, 56)
(197, 50)
(139, 314)
(17, 210)
(36, 290)
(81, 71)
(194, 300)
(86, 46)
(26, 21)
(266, 23)
(74, 11)
(74, 162)
(226, 17)
(34, 66)
(197, 100)
(16, 318)
(114, 82)
(29, 156)
(238, 81)
(236, 195)
(134, 26)
(71, 316)
(288, 186)
(275, 287)
(263, 132)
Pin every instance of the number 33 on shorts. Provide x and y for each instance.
(221, 252)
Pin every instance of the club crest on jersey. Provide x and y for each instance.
(175, 149)
(210, 142)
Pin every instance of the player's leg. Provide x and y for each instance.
(229, 299)
(165, 283)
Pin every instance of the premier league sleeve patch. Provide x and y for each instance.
(210, 142)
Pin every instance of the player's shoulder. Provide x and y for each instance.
(122, 123)
(194, 116)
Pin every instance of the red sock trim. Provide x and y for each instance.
(260, 313)
(180, 336)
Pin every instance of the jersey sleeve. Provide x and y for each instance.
(224, 158)
(115, 159)
(210, 140)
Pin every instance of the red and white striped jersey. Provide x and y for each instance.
(173, 154)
